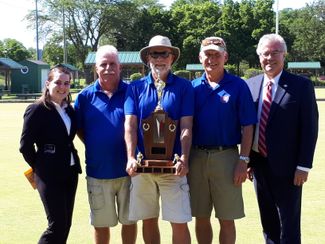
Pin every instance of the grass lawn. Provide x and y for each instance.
(22, 218)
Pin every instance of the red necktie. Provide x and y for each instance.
(267, 100)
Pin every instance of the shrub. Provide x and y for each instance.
(183, 73)
(317, 81)
(252, 72)
(231, 68)
(135, 76)
(321, 78)
(198, 74)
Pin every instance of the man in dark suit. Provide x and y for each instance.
(284, 141)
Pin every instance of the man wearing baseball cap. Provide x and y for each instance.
(177, 100)
(224, 117)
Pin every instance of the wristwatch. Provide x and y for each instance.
(246, 159)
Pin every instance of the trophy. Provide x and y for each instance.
(159, 133)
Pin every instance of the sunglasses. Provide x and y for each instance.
(217, 42)
(156, 55)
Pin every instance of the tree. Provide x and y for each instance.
(53, 52)
(14, 49)
(241, 25)
(193, 21)
(32, 52)
(286, 19)
(1, 49)
(230, 30)
(247, 27)
(130, 24)
(87, 22)
(152, 21)
(308, 29)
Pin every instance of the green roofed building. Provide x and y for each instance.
(304, 65)
(130, 61)
(195, 69)
(31, 78)
(305, 68)
(7, 65)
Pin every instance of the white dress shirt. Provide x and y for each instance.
(67, 121)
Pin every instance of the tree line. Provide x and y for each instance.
(129, 25)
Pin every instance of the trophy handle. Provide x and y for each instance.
(139, 159)
(176, 158)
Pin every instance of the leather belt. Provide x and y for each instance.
(218, 148)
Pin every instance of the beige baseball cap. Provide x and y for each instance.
(213, 43)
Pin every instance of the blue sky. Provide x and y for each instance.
(14, 26)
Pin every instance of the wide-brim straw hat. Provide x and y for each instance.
(159, 41)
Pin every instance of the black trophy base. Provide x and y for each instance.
(157, 166)
(156, 169)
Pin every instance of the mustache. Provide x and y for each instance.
(110, 72)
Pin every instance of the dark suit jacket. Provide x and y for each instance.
(292, 127)
(45, 128)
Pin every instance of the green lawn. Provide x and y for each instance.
(22, 218)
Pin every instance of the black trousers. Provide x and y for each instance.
(58, 201)
(279, 202)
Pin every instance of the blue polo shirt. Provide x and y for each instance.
(102, 120)
(177, 101)
(221, 111)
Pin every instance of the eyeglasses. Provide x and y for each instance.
(156, 55)
(273, 54)
(216, 41)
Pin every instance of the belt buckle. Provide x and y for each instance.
(49, 148)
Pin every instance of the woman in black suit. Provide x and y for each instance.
(47, 146)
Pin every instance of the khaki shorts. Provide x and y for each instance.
(211, 184)
(101, 197)
(175, 200)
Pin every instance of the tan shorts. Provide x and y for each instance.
(211, 184)
(104, 196)
(175, 200)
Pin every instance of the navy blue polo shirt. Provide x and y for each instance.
(177, 101)
(220, 112)
(102, 120)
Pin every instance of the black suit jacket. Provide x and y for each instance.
(45, 128)
(292, 126)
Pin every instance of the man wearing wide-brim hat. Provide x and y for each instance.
(177, 100)
(159, 42)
